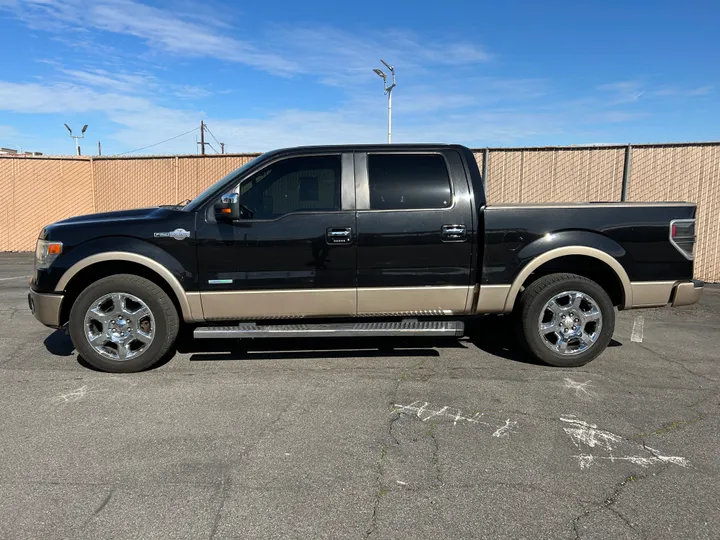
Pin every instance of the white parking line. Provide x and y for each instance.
(18, 277)
(637, 331)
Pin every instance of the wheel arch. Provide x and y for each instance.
(100, 265)
(564, 254)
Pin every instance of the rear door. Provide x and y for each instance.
(295, 254)
(414, 232)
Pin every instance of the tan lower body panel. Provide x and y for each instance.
(278, 303)
(412, 300)
(237, 305)
(492, 298)
(646, 294)
(416, 301)
(196, 310)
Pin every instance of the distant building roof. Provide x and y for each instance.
(13, 152)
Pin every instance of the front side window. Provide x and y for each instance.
(293, 185)
(408, 181)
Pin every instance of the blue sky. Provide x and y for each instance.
(283, 73)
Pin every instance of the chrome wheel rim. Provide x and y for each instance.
(119, 326)
(570, 323)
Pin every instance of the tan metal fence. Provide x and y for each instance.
(35, 191)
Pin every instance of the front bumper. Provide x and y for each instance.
(46, 307)
(688, 293)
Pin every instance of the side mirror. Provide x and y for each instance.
(228, 209)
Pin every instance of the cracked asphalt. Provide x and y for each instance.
(363, 439)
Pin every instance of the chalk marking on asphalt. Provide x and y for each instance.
(424, 412)
(506, 430)
(581, 388)
(583, 434)
(17, 277)
(637, 331)
(585, 460)
(435, 413)
(420, 411)
(77, 395)
(417, 408)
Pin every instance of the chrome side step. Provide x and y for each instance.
(406, 327)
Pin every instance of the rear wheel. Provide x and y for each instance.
(123, 323)
(565, 320)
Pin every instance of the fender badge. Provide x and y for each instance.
(177, 234)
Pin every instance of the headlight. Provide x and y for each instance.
(46, 252)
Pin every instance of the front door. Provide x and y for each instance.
(415, 233)
(294, 253)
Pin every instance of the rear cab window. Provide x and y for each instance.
(408, 182)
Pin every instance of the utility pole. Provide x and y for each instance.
(202, 137)
(99, 149)
(388, 90)
(222, 147)
(77, 137)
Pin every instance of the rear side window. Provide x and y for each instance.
(408, 181)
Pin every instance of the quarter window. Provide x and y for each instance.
(408, 181)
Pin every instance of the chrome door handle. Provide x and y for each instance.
(453, 233)
(339, 236)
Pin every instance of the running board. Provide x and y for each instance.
(406, 327)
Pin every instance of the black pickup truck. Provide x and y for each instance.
(378, 240)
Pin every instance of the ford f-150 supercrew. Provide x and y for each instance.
(357, 241)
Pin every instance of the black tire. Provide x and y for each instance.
(163, 310)
(532, 303)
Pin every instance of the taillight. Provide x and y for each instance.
(682, 236)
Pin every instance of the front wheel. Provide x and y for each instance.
(565, 320)
(123, 323)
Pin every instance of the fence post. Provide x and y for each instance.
(94, 186)
(486, 154)
(177, 178)
(626, 173)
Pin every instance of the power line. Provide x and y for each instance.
(211, 146)
(211, 134)
(222, 145)
(156, 144)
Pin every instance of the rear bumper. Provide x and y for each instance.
(689, 293)
(46, 307)
(650, 294)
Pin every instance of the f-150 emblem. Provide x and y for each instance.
(177, 234)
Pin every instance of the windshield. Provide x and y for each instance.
(200, 199)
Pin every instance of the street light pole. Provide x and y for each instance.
(77, 137)
(390, 115)
(388, 90)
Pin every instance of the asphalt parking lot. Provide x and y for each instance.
(358, 439)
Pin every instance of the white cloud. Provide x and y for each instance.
(138, 84)
(631, 91)
(140, 121)
(36, 98)
(7, 134)
(622, 92)
(119, 82)
(335, 56)
(684, 92)
(342, 58)
(162, 29)
(438, 98)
